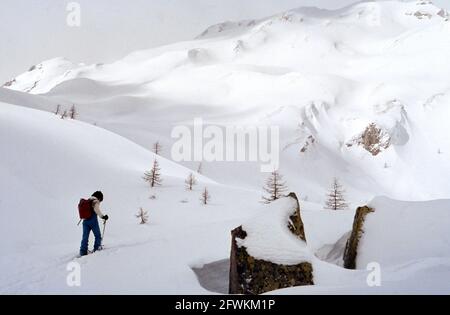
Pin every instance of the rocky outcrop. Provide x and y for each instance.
(351, 248)
(443, 14)
(391, 233)
(423, 2)
(295, 224)
(9, 83)
(310, 141)
(255, 275)
(422, 15)
(239, 47)
(226, 26)
(373, 139)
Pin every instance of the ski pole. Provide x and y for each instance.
(103, 233)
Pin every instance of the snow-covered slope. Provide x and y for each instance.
(48, 164)
(323, 76)
(359, 93)
(42, 77)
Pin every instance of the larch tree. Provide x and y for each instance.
(153, 177)
(73, 112)
(58, 109)
(143, 216)
(335, 197)
(157, 148)
(206, 197)
(190, 181)
(275, 187)
(200, 168)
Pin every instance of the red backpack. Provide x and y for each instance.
(85, 209)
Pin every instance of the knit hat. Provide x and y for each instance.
(98, 195)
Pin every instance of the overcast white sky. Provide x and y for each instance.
(36, 30)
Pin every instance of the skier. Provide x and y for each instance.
(91, 224)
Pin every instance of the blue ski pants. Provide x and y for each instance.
(89, 225)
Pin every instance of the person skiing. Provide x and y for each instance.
(91, 224)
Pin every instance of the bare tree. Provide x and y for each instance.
(153, 176)
(200, 168)
(73, 112)
(58, 109)
(190, 182)
(157, 147)
(64, 115)
(275, 187)
(206, 197)
(336, 199)
(143, 215)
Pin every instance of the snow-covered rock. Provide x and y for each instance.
(269, 252)
(391, 232)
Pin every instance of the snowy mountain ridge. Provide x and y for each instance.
(381, 18)
(368, 12)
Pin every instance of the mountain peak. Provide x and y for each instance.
(302, 39)
(389, 10)
(39, 78)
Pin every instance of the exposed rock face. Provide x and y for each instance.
(373, 140)
(351, 248)
(393, 233)
(309, 142)
(239, 47)
(226, 26)
(295, 224)
(249, 275)
(424, 2)
(422, 15)
(9, 83)
(443, 14)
